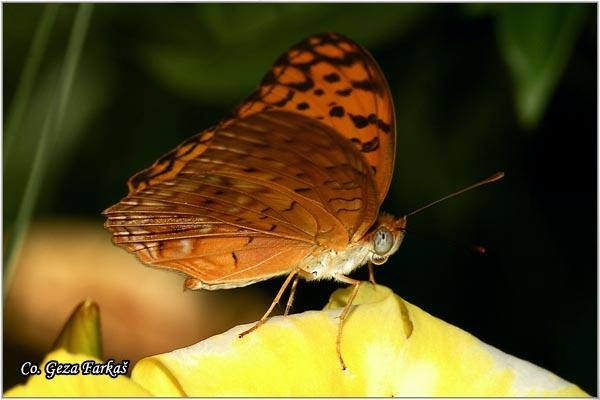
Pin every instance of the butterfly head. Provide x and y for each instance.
(386, 237)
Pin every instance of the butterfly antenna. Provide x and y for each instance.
(471, 247)
(496, 177)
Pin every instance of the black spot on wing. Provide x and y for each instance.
(337, 111)
(383, 126)
(344, 92)
(367, 85)
(332, 77)
(291, 207)
(302, 86)
(359, 121)
(371, 145)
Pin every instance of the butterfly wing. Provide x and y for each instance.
(247, 201)
(333, 79)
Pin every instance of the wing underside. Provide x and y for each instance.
(247, 201)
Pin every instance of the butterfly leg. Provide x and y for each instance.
(371, 273)
(288, 306)
(273, 304)
(338, 342)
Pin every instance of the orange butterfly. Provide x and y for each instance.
(291, 184)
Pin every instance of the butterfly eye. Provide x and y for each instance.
(383, 242)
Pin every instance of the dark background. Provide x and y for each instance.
(477, 89)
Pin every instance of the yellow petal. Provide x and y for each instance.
(81, 333)
(391, 348)
(77, 385)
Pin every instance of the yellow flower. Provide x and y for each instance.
(68, 370)
(391, 348)
(78, 385)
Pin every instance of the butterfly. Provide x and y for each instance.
(290, 184)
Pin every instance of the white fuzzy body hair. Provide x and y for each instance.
(328, 263)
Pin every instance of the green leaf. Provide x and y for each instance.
(536, 41)
(45, 140)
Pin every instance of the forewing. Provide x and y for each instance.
(247, 201)
(333, 79)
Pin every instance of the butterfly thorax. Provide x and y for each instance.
(329, 262)
(382, 240)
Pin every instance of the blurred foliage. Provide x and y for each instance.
(536, 41)
(27, 78)
(88, 85)
(477, 88)
(203, 60)
(44, 138)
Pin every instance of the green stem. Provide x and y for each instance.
(47, 139)
(21, 99)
